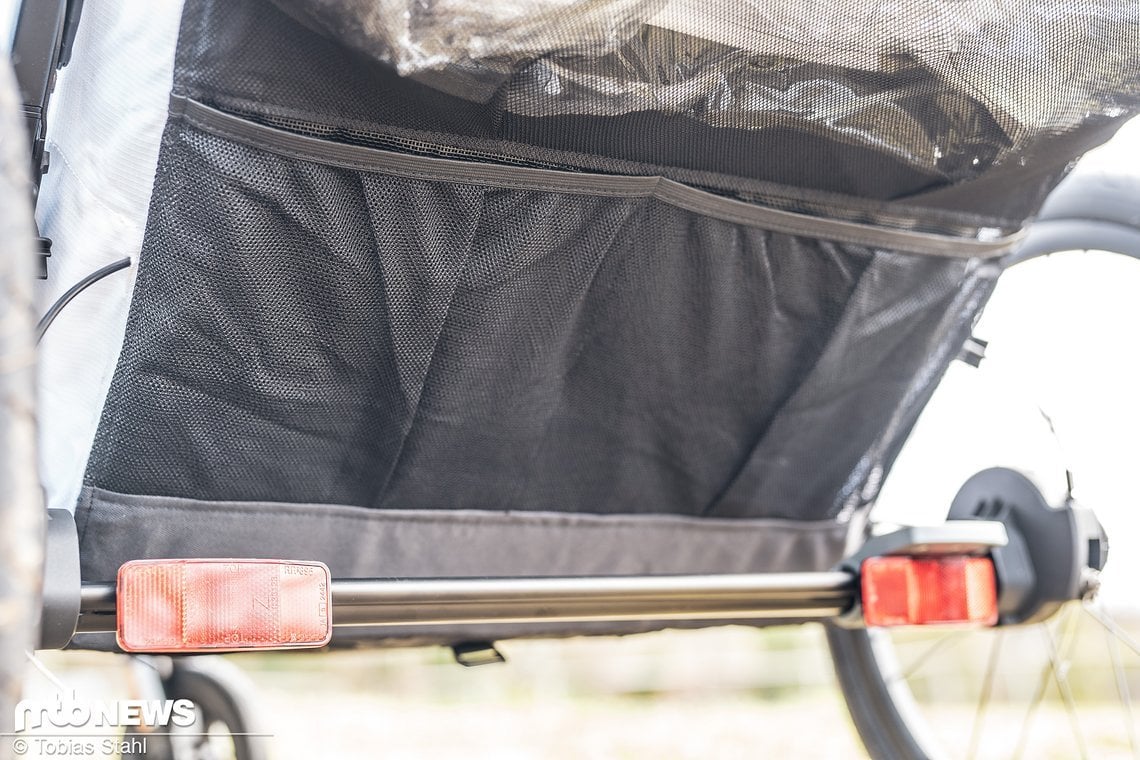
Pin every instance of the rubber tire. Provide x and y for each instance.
(880, 716)
(216, 687)
(221, 694)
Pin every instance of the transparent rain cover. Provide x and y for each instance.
(947, 86)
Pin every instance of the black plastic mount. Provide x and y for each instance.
(43, 251)
(1053, 553)
(471, 654)
(41, 45)
(62, 582)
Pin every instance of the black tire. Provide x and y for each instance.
(884, 713)
(221, 696)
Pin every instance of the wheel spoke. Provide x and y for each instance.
(918, 662)
(1106, 620)
(1122, 689)
(984, 698)
(1031, 712)
(1038, 694)
(45, 671)
(1058, 664)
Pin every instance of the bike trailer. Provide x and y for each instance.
(610, 290)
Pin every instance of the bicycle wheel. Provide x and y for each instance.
(225, 729)
(989, 693)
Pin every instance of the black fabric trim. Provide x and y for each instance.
(524, 178)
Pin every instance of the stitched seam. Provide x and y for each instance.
(523, 519)
(658, 188)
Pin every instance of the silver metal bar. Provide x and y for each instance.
(471, 601)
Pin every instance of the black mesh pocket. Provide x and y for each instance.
(359, 330)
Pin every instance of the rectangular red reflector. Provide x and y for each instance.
(195, 605)
(928, 590)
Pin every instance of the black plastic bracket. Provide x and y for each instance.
(36, 49)
(62, 581)
(43, 251)
(973, 351)
(41, 45)
(1053, 553)
(472, 653)
(952, 537)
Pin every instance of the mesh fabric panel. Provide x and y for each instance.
(308, 333)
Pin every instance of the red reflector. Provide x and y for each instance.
(923, 591)
(193, 605)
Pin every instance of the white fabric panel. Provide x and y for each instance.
(7, 24)
(105, 123)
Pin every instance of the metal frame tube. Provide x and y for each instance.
(473, 601)
(1056, 235)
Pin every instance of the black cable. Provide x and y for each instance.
(73, 291)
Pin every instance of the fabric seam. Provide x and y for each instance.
(536, 519)
(374, 160)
